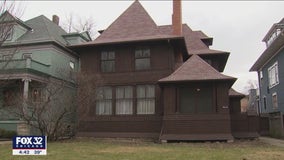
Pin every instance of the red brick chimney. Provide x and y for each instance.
(177, 17)
(55, 19)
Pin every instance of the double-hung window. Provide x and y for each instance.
(145, 99)
(104, 101)
(108, 61)
(142, 59)
(273, 75)
(124, 101)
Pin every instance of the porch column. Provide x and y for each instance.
(23, 128)
(26, 88)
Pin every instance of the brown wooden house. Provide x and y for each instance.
(158, 81)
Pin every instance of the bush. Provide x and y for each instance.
(7, 134)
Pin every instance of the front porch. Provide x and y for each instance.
(14, 96)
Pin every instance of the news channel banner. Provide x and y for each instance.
(29, 145)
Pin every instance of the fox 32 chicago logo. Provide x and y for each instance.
(29, 145)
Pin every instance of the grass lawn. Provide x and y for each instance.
(109, 149)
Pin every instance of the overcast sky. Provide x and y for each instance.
(236, 26)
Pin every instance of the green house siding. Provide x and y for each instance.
(267, 92)
(45, 59)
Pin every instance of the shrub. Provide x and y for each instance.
(7, 134)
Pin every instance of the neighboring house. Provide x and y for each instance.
(269, 67)
(157, 81)
(33, 54)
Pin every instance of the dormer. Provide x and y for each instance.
(12, 28)
(77, 38)
(273, 33)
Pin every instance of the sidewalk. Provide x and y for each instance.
(272, 141)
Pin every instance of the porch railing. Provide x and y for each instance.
(19, 64)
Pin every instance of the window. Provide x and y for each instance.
(124, 103)
(108, 61)
(27, 55)
(264, 103)
(8, 97)
(104, 101)
(7, 57)
(36, 95)
(142, 59)
(273, 75)
(72, 65)
(274, 100)
(145, 99)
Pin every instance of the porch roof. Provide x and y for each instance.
(196, 69)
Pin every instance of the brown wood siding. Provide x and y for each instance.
(197, 127)
(196, 124)
(235, 105)
(150, 124)
(222, 102)
(244, 126)
(125, 74)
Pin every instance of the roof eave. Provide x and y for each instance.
(126, 41)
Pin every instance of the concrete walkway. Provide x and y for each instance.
(272, 141)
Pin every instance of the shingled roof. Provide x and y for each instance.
(195, 69)
(193, 40)
(134, 24)
(43, 30)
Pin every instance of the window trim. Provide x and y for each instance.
(118, 99)
(276, 74)
(104, 100)
(142, 57)
(273, 106)
(146, 98)
(107, 60)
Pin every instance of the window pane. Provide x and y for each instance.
(145, 106)
(146, 99)
(111, 55)
(119, 92)
(146, 53)
(124, 106)
(104, 56)
(138, 53)
(107, 93)
(107, 66)
(150, 91)
(104, 107)
(143, 63)
(141, 92)
(128, 92)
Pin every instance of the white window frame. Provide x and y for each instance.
(274, 106)
(27, 55)
(273, 75)
(261, 74)
(72, 65)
